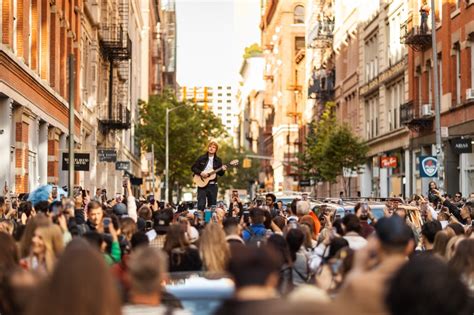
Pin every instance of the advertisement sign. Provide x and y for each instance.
(428, 166)
(388, 162)
(122, 165)
(107, 155)
(460, 145)
(81, 162)
(305, 183)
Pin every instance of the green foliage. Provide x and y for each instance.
(238, 177)
(252, 51)
(330, 148)
(190, 129)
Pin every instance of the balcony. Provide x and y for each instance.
(415, 36)
(117, 118)
(417, 115)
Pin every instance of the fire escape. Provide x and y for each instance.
(115, 46)
(321, 84)
(417, 114)
(414, 34)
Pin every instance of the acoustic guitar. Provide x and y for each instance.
(201, 181)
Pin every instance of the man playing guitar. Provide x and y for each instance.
(205, 163)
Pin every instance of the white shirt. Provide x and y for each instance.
(210, 164)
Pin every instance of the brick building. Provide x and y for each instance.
(36, 39)
(455, 36)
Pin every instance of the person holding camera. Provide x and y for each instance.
(235, 204)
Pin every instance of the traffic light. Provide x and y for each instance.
(247, 163)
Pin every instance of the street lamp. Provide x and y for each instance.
(439, 143)
(167, 163)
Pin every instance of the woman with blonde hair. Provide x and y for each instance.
(34, 222)
(214, 248)
(46, 246)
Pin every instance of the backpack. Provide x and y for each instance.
(310, 276)
(255, 239)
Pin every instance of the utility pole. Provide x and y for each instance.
(72, 83)
(439, 144)
(153, 166)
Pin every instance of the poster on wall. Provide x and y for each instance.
(428, 166)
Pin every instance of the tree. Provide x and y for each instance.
(343, 150)
(312, 157)
(252, 51)
(330, 148)
(239, 177)
(190, 129)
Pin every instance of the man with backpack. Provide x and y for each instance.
(255, 233)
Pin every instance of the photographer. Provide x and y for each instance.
(462, 215)
(363, 212)
(235, 203)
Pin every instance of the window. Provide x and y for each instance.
(219, 87)
(372, 117)
(220, 94)
(228, 94)
(299, 43)
(458, 75)
(219, 108)
(298, 17)
(228, 87)
(219, 101)
(228, 101)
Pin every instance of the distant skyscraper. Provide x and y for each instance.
(219, 99)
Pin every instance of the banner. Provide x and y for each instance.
(81, 162)
(428, 166)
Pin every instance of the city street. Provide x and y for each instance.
(236, 157)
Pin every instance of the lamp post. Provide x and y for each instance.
(167, 162)
(439, 144)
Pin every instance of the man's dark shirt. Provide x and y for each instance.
(201, 164)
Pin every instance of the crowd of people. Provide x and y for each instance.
(91, 255)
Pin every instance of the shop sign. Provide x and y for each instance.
(460, 145)
(122, 165)
(428, 166)
(107, 155)
(81, 162)
(388, 162)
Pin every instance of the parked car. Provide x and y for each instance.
(200, 293)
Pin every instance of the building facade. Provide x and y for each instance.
(454, 48)
(111, 42)
(36, 39)
(283, 37)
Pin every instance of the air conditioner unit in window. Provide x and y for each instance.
(426, 110)
(469, 94)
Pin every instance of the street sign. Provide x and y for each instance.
(428, 166)
(107, 155)
(149, 156)
(444, 132)
(122, 165)
(305, 183)
(81, 161)
(460, 145)
(388, 162)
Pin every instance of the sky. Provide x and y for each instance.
(212, 35)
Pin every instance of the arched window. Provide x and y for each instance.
(299, 15)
